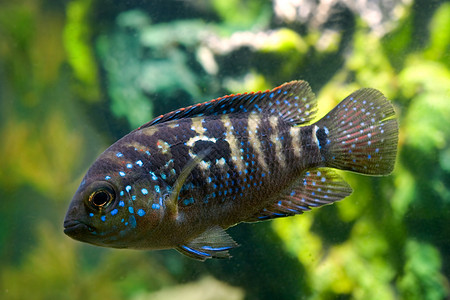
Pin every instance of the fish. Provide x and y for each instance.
(182, 179)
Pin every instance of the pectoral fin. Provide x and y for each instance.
(172, 201)
(213, 243)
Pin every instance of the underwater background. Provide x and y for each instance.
(75, 76)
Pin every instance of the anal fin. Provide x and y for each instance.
(213, 243)
(315, 188)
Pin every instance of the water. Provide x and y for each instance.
(77, 75)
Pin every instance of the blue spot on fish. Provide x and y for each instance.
(121, 173)
(141, 212)
(103, 218)
(154, 177)
(121, 203)
(155, 206)
(139, 163)
(114, 212)
(144, 191)
(132, 221)
(188, 201)
(131, 209)
(119, 154)
(128, 188)
(107, 177)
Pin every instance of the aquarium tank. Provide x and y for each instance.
(77, 75)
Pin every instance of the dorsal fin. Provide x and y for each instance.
(317, 187)
(293, 101)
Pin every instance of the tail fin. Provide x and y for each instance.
(360, 134)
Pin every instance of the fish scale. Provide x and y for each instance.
(224, 177)
(180, 180)
(249, 176)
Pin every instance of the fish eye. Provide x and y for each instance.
(101, 197)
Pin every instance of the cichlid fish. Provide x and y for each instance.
(183, 178)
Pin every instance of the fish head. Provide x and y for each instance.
(112, 210)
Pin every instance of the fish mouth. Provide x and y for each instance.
(83, 232)
(75, 229)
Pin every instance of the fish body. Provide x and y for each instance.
(183, 178)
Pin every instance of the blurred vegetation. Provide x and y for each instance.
(77, 75)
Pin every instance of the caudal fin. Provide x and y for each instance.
(360, 134)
